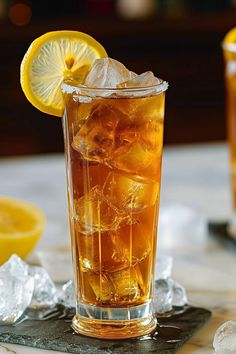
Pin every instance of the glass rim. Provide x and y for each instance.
(70, 87)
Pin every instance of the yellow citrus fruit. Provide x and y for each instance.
(21, 225)
(52, 58)
(229, 45)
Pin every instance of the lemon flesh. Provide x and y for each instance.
(52, 58)
(21, 225)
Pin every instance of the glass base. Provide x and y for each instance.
(114, 323)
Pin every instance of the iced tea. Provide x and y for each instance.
(230, 80)
(114, 151)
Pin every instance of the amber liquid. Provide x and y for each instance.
(114, 151)
(230, 76)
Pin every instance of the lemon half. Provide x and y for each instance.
(21, 225)
(52, 58)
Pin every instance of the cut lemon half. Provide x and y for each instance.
(52, 58)
(21, 225)
(229, 44)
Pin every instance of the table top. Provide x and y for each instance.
(195, 177)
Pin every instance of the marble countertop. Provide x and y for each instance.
(195, 176)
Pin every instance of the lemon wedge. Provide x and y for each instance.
(52, 58)
(229, 45)
(21, 225)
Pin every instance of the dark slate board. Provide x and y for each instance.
(55, 334)
(219, 231)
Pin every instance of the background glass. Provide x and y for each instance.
(230, 82)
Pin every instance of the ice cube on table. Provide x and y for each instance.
(67, 297)
(143, 80)
(179, 295)
(15, 295)
(15, 266)
(225, 338)
(23, 286)
(45, 292)
(163, 295)
(181, 224)
(163, 267)
(107, 73)
(57, 261)
(128, 194)
(94, 213)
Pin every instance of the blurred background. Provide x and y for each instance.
(179, 40)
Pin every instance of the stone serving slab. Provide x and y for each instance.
(56, 334)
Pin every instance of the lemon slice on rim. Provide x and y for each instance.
(229, 44)
(21, 225)
(50, 59)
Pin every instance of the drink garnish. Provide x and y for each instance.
(52, 58)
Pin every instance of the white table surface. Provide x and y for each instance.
(193, 175)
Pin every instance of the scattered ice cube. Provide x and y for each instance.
(15, 295)
(129, 195)
(68, 294)
(181, 224)
(225, 338)
(179, 295)
(143, 80)
(45, 292)
(57, 261)
(23, 286)
(95, 214)
(163, 267)
(15, 266)
(167, 292)
(107, 72)
(163, 295)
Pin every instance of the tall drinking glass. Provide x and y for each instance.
(230, 83)
(113, 145)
